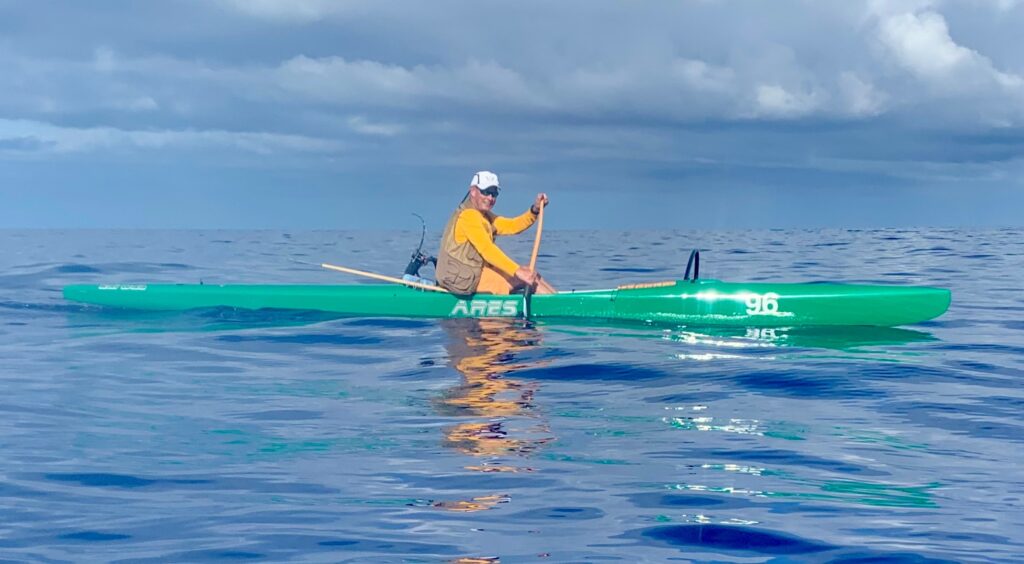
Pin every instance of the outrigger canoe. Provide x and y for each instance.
(684, 302)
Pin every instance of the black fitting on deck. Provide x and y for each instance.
(694, 262)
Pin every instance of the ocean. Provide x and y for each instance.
(304, 437)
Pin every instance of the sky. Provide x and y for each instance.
(352, 114)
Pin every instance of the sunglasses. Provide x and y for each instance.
(492, 191)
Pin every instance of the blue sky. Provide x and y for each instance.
(354, 114)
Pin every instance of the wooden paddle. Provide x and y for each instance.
(533, 261)
(536, 239)
(384, 278)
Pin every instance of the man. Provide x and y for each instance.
(469, 261)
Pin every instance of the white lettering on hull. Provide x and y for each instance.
(485, 308)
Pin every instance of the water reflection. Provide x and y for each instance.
(483, 337)
(498, 423)
(835, 338)
(732, 342)
(91, 321)
(501, 421)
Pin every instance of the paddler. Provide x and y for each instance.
(469, 261)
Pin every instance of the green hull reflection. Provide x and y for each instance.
(89, 322)
(841, 338)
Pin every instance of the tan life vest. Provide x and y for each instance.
(459, 266)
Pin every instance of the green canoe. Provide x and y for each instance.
(698, 303)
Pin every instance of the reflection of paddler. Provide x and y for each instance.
(483, 350)
(476, 504)
(477, 560)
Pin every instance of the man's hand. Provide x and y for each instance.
(526, 276)
(542, 200)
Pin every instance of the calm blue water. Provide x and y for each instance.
(224, 435)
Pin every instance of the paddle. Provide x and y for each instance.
(533, 261)
(536, 239)
(384, 278)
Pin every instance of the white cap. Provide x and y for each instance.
(484, 180)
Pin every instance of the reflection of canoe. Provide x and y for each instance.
(843, 337)
(702, 302)
(848, 338)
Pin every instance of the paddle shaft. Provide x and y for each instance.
(533, 261)
(384, 278)
(536, 239)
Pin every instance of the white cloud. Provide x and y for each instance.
(703, 76)
(1005, 5)
(921, 43)
(360, 124)
(299, 11)
(487, 80)
(50, 138)
(772, 100)
(341, 81)
(861, 98)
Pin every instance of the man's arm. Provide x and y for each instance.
(473, 225)
(514, 225)
(511, 226)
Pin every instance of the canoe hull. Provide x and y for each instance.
(705, 302)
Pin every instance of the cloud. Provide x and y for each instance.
(27, 136)
(349, 72)
(292, 11)
(662, 97)
(860, 97)
(337, 80)
(702, 76)
(669, 68)
(371, 83)
(921, 43)
(140, 104)
(360, 124)
(1005, 5)
(774, 100)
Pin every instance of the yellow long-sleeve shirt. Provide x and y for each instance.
(480, 229)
